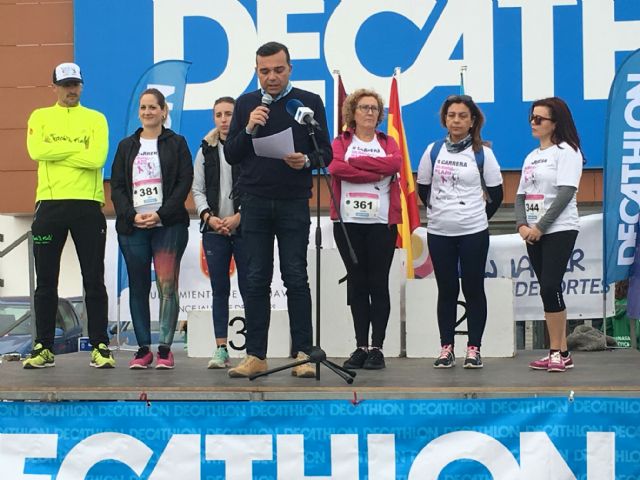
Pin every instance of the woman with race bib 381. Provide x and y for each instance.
(150, 179)
(547, 216)
(460, 183)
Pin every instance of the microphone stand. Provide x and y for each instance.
(317, 355)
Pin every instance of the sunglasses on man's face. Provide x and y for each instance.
(538, 119)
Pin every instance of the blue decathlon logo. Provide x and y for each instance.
(514, 51)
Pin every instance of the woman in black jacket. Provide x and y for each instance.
(219, 209)
(150, 180)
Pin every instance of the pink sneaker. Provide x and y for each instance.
(543, 363)
(164, 360)
(446, 359)
(556, 363)
(142, 359)
(473, 358)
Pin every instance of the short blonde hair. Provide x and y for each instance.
(351, 102)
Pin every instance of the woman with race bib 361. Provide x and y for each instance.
(364, 177)
(547, 216)
(460, 183)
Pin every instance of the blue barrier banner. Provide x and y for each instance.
(621, 205)
(514, 51)
(505, 439)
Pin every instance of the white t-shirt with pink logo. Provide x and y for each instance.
(147, 178)
(542, 173)
(457, 199)
(365, 202)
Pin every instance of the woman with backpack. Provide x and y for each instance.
(364, 178)
(460, 183)
(547, 216)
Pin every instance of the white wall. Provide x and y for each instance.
(14, 267)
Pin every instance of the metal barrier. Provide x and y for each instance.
(32, 276)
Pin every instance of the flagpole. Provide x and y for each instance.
(120, 267)
(118, 323)
(604, 313)
(396, 75)
(463, 69)
(118, 284)
(336, 115)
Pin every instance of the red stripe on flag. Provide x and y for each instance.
(410, 212)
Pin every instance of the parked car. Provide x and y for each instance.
(81, 311)
(15, 327)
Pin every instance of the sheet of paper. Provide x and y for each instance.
(275, 146)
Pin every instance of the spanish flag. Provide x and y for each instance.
(341, 96)
(410, 212)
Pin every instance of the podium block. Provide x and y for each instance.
(201, 341)
(423, 336)
(337, 336)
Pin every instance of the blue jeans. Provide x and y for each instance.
(165, 246)
(264, 219)
(218, 250)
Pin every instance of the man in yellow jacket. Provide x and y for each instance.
(70, 144)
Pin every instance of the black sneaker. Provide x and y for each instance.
(356, 360)
(375, 360)
(473, 358)
(446, 359)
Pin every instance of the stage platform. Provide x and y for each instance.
(609, 373)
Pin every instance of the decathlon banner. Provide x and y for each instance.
(170, 78)
(622, 172)
(582, 287)
(514, 51)
(524, 439)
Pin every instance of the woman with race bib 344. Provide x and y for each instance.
(547, 216)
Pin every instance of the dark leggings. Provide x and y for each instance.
(470, 252)
(52, 222)
(549, 257)
(374, 245)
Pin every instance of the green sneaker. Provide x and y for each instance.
(101, 357)
(220, 358)
(40, 358)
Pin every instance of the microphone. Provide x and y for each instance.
(266, 101)
(301, 114)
